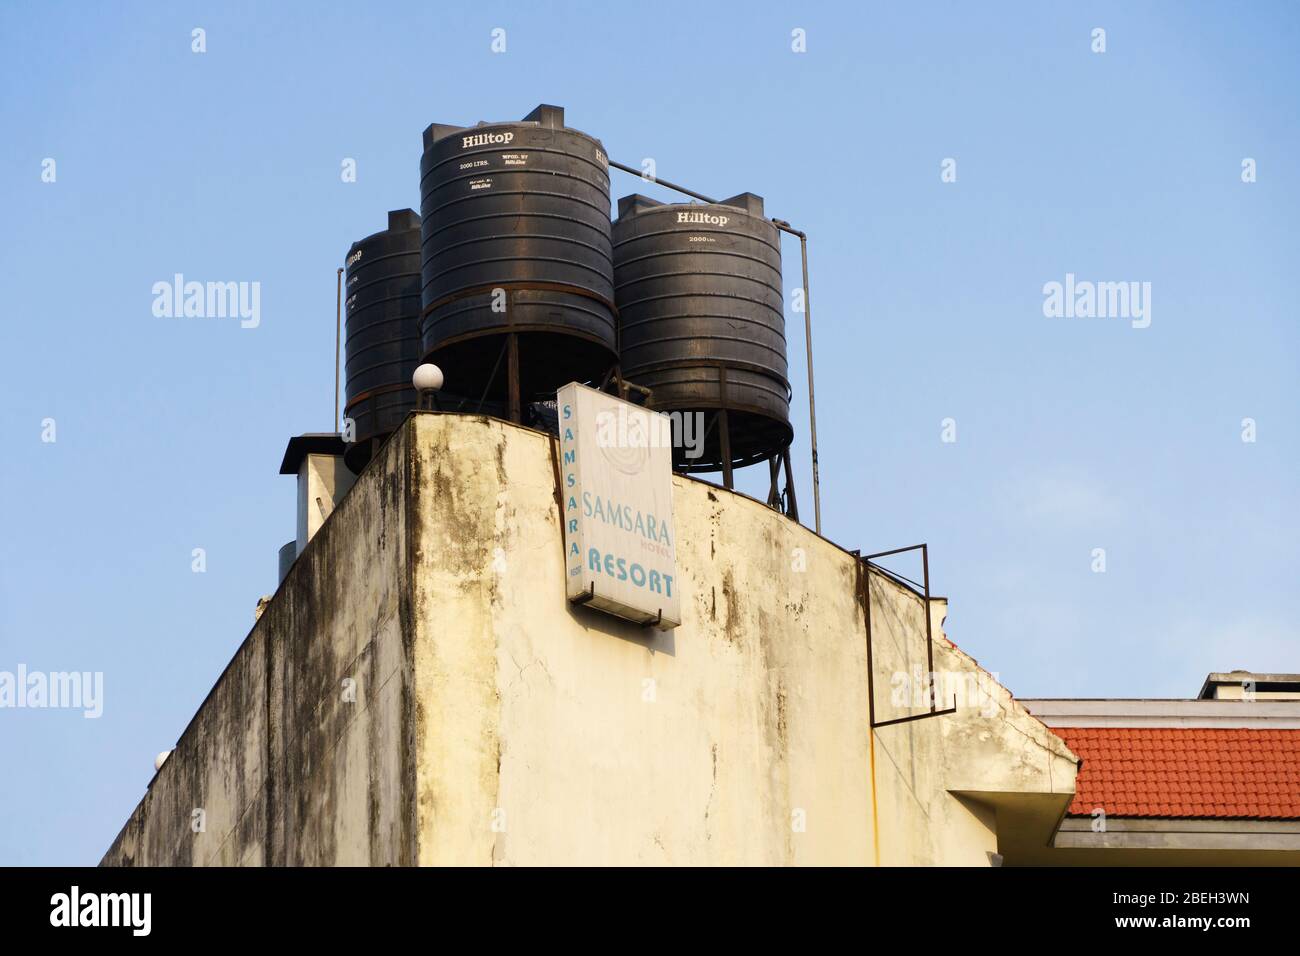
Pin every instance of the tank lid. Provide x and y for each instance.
(636, 203)
(545, 116)
(437, 131)
(401, 220)
(747, 201)
(551, 117)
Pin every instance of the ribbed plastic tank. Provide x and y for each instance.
(522, 208)
(701, 319)
(382, 333)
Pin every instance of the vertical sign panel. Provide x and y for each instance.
(616, 481)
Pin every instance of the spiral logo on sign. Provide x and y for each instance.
(624, 441)
(630, 460)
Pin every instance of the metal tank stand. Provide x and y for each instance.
(511, 351)
(724, 429)
(777, 499)
(623, 388)
(512, 374)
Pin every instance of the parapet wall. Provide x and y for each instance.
(420, 691)
(285, 763)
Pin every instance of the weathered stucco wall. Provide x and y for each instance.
(949, 785)
(554, 734)
(494, 723)
(289, 765)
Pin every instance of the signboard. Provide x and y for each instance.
(616, 483)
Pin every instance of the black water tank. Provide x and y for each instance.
(383, 332)
(701, 319)
(523, 208)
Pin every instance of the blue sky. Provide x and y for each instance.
(1072, 434)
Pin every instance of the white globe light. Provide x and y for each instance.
(427, 378)
(161, 759)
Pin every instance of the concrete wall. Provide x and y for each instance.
(494, 723)
(554, 734)
(950, 786)
(288, 765)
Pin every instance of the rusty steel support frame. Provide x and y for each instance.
(724, 431)
(622, 388)
(512, 377)
(865, 566)
(510, 350)
(791, 501)
(496, 366)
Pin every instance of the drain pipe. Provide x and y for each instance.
(640, 174)
(812, 398)
(338, 335)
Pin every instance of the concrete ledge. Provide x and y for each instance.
(1168, 833)
(1258, 714)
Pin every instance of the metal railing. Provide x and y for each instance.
(865, 567)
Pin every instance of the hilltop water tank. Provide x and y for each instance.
(382, 332)
(516, 239)
(701, 320)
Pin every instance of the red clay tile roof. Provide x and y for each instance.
(1186, 772)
